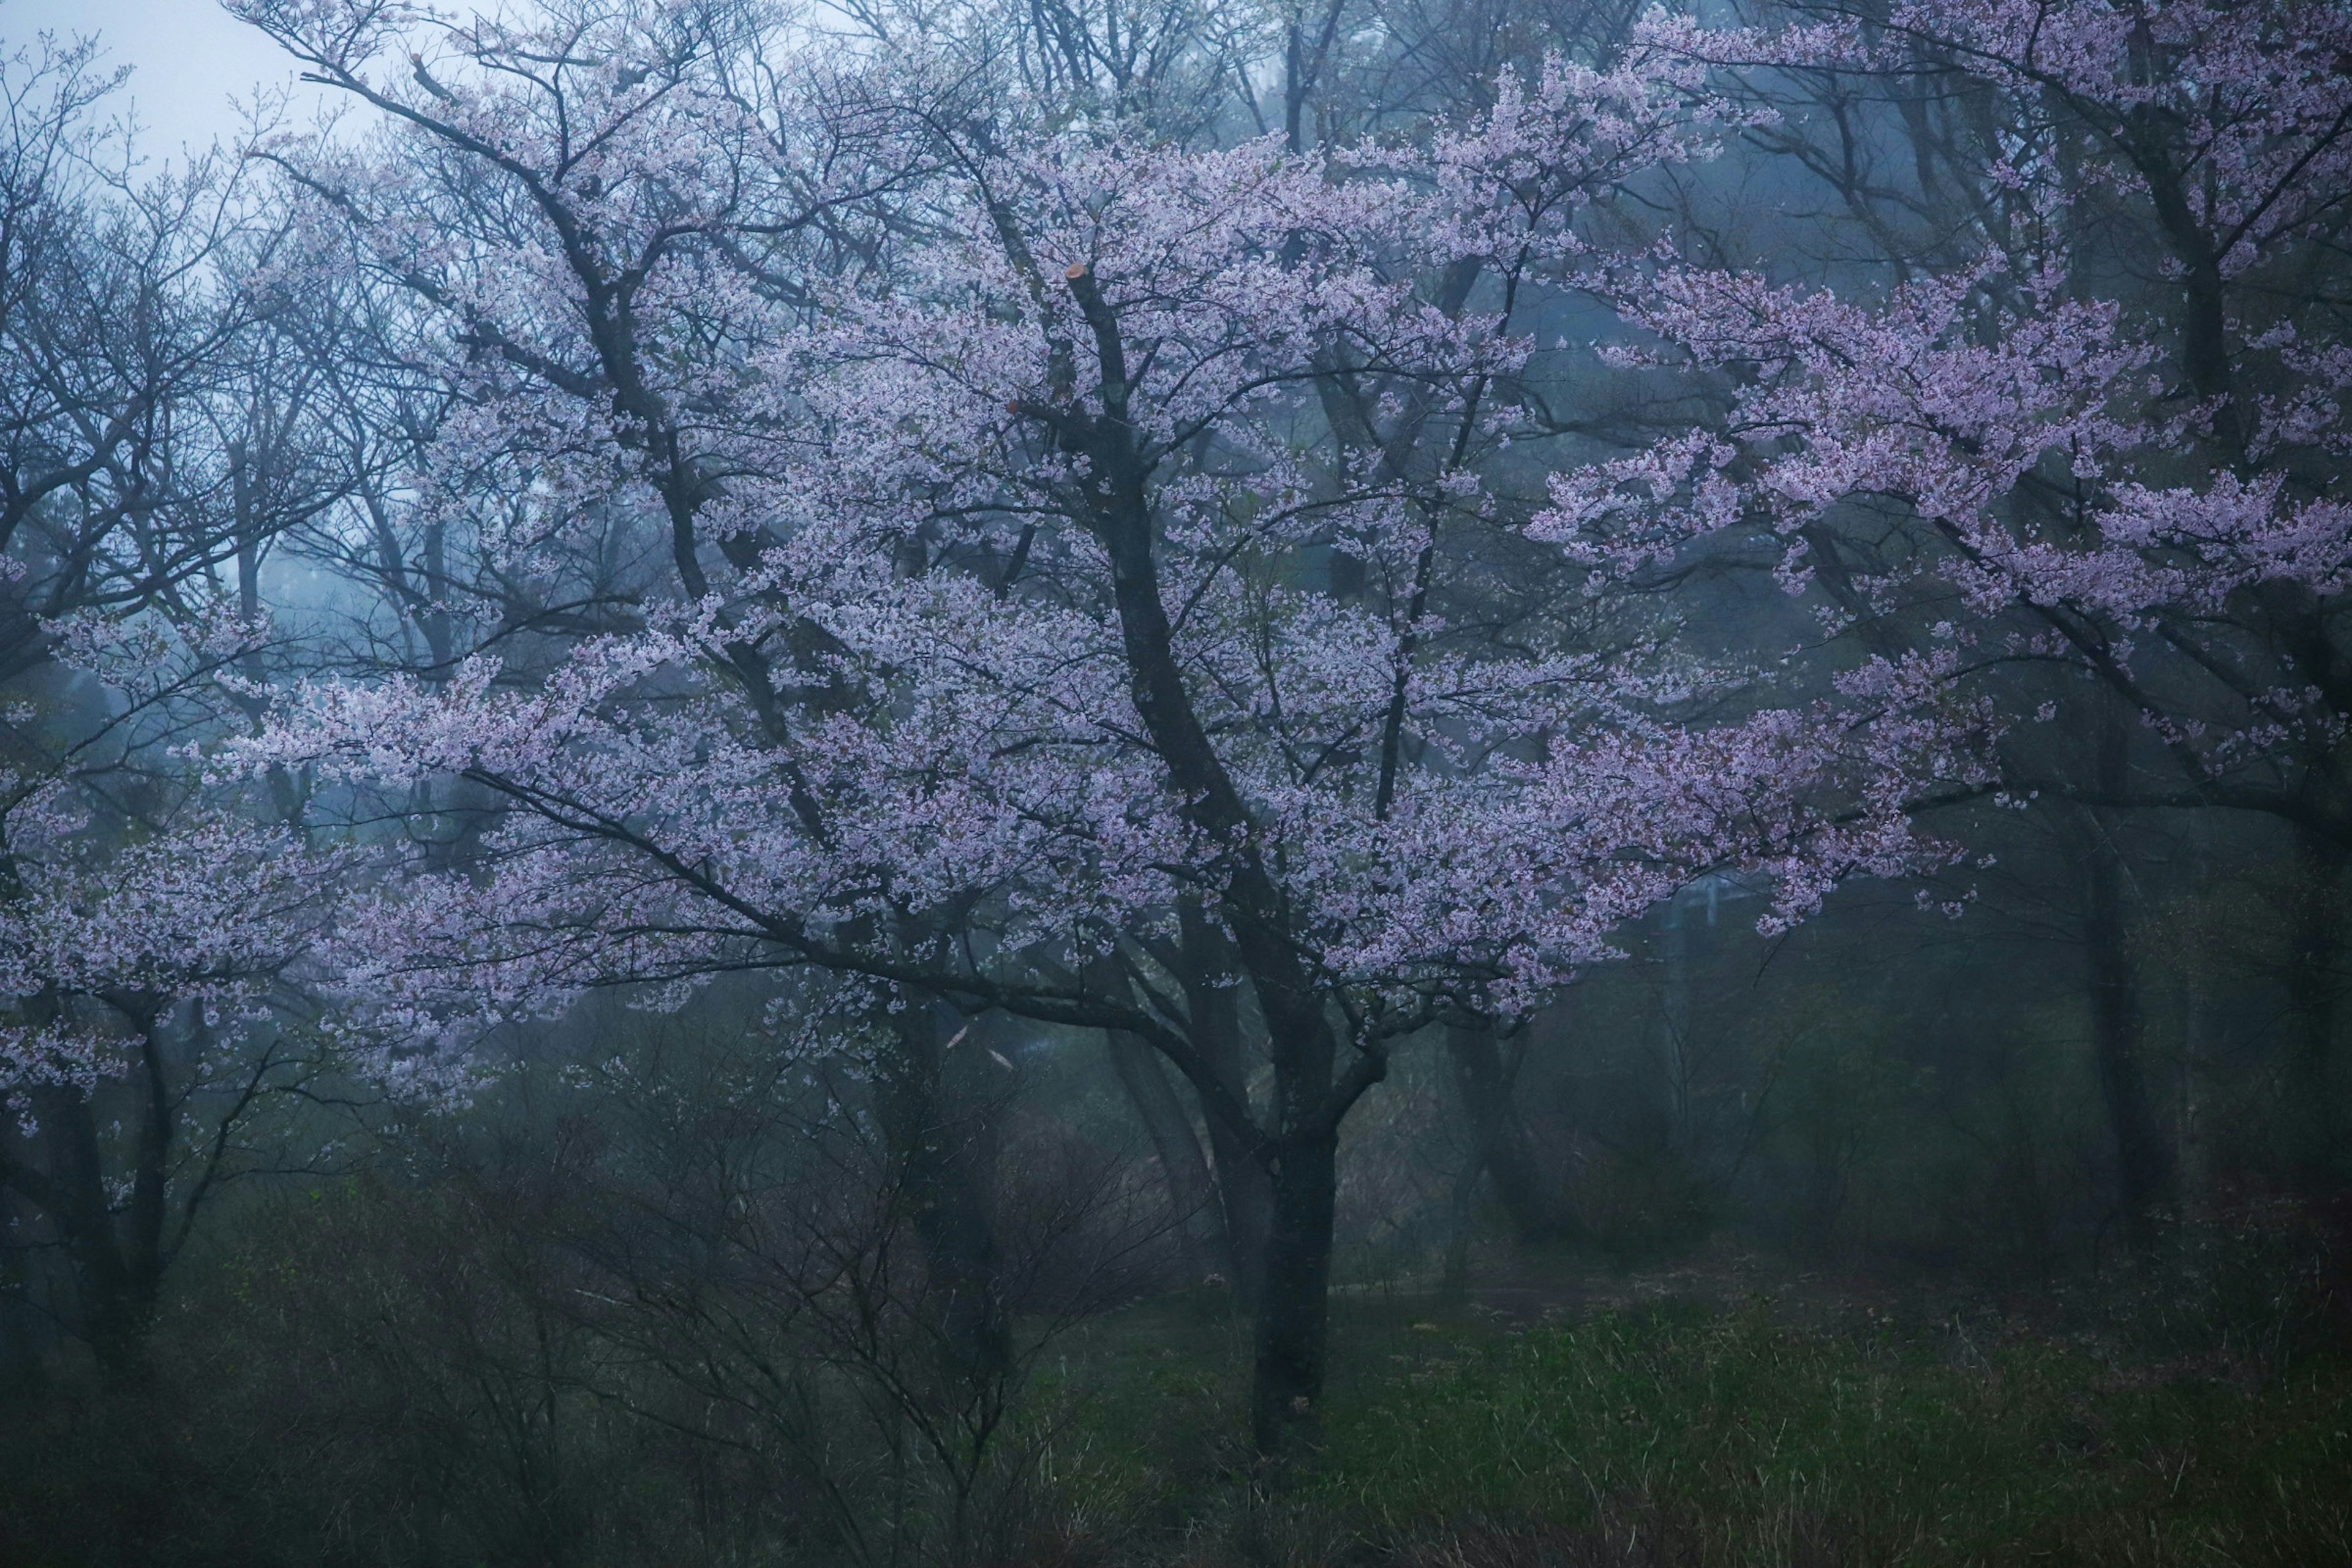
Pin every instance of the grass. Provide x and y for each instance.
(1726, 1414)
(1758, 1430)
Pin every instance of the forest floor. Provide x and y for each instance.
(1723, 1411)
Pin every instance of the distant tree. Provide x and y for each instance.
(150, 451)
(2094, 420)
(142, 977)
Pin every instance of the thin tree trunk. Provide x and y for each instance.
(2315, 1122)
(1303, 61)
(115, 1302)
(284, 797)
(2145, 1178)
(1500, 1135)
(1191, 1192)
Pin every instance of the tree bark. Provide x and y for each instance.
(1191, 1192)
(1245, 1190)
(2146, 1179)
(1500, 1135)
(115, 1285)
(942, 1174)
(1294, 1307)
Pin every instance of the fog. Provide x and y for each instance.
(194, 68)
(1453, 782)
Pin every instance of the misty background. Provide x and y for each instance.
(404, 1165)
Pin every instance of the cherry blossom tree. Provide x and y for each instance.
(151, 450)
(144, 975)
(996, 665)
(149, 934)
(2027, 448)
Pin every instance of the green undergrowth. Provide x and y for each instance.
(1743, 1432)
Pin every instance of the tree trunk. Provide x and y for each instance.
(1246, 1197)
(943, 1177)
(1191, 1193)
(2314, 1125)
(21, 1329)
(1308, 1102)
(115, 1300)
(1244, 1191)
(1500, 1136)
(2146, 1179)
(1293, 1303)
(2143, 1164)
(1294, 1310)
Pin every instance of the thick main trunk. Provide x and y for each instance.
(941, 1151)
(1245, 1198)
(1257, 910)
(1294, 1307)
(1245, 1192)
(1500, 1136)
(1294, 1298)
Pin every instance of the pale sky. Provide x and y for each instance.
(188, 59)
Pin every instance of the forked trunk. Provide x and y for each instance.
(1199, 1229)
(1500, 1135)
(1213, 1001)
